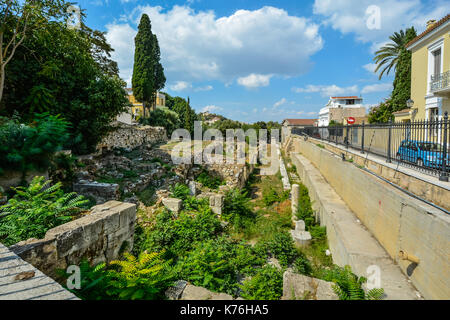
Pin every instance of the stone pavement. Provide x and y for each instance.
(19, 280)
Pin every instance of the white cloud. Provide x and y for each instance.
(205, 88)
(212, 109)
(378, 87)
(327, 91)
(180, 86)
(370, 67)
(198, 45)
(280, 103)
(349, 16)
(255, 80)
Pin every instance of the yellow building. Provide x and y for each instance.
(430, 73)
(137, 109)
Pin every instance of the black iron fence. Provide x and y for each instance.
(422, 145)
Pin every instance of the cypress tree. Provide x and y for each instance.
(188, 121)
(148, 73)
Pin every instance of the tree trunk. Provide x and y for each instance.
(2, 81)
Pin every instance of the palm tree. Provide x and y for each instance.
(387, 57)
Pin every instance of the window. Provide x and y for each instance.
(433, 117)
(350, 102)
(437, 62)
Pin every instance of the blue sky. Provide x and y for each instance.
(264, 60)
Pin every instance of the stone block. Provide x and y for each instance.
(175, 292)
(301, 238)
(300, 287)
(295, 192)
(192, 188)
(198, 293)
(101, 192)
(300, 225)
(173, 204)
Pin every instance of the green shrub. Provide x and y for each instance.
(216, 263)
(348, 286)
(266, 284)
(180, 191)
(31, 147)
(180, 235)
(237, 210)
(144, 278)
(305, 211)
(146, 196)
(209, 181)
(62, 169)
(270, 196)
(281, 246)
(195, 204)
(318, 232)
(302, 265)
(35, 210)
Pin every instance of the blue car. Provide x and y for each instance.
(422, 153)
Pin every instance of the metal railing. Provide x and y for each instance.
(440, 81)
(422, 145)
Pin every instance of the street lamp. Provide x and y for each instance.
(410, 103)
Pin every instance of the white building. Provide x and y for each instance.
(340, 108)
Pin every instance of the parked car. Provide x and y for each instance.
(422, 153)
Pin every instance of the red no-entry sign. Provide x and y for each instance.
(351, 120)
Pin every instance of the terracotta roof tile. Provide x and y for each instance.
(350, 97)
(427, 31)
(301, 122)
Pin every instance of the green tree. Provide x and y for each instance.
(394, 55)
(188, 121)
(31, 147)
(402, 82)
(387, 57)
(148, 73)
(18, 19)
(67, 72)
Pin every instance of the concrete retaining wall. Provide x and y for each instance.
(97, 237)
(396, 220)
(409, 179)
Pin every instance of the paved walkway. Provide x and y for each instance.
(34, 284)
(350, 242)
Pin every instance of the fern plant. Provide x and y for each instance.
(142, 278)
(348, 286)
(267, 284)
(180, 191)
(36, 209)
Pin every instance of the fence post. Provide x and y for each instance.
(336, 134)
(346, 136)
(444, 174)
(362, 137)
(389, 142)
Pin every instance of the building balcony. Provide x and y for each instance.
(440, 84)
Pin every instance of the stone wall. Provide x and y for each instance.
(12, 178)
(235, 175)
(101, 192)
(130, 137)
(398, 221)
(97, 237)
